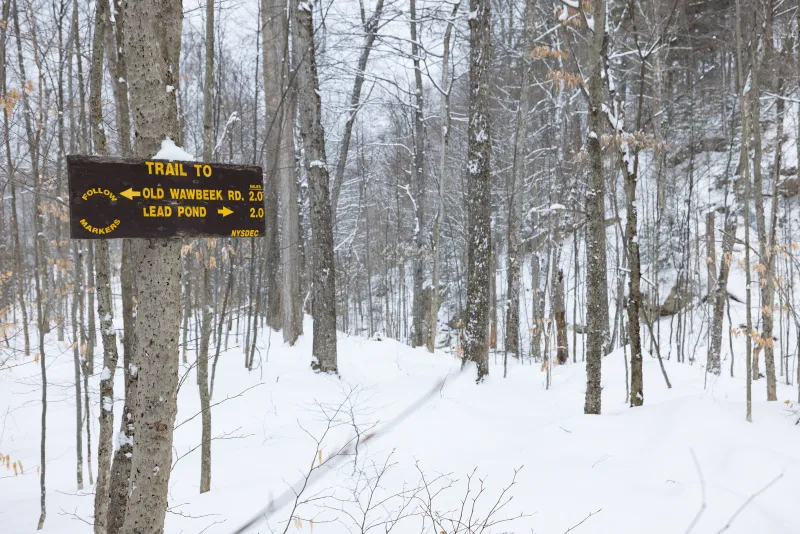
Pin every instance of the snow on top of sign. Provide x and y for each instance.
(169, 150)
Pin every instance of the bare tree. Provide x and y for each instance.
(479, 149)
(152, 36)
(514, 195)
(445, 88)
(596, 281)
(311, 130)
(281, 109)
(418, 185)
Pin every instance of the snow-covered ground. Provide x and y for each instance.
(633, 468)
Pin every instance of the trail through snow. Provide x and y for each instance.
(634, 465)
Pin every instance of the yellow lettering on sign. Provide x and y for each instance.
(195, 194)
(192, 211)
(99, 191)
(204, 169)
(157, 211)
(244, 233)
(100, 231)
(168, 169)
(153, 192)
(234, 195)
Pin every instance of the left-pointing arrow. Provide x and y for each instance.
(224, 211)
(130, 193)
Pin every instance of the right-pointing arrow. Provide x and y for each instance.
(224, 211)
(130, 193)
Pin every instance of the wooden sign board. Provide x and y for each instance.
(111, 198)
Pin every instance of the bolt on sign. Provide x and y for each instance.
(112, 198)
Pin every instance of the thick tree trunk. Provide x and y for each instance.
(313, 134)
(515, 198)
(152, 38)
(446, 86)
(476, 343)
(278, 167)
(117, 65)
(280, 108)
(596, 282)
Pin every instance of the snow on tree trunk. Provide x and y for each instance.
(634, 278)
(596, 282)
(719, 297)
(313, 135)
(121, 466)
(479, 148)
(418, 187)
(152, 38)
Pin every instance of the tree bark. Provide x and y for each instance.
(202, 379)
(719, 297)
(418, 186)
(560, 312)
(711, 253)
(476, 343)
(121, 466)
(77, 284)
(513, 260)
(152, 38)
(14, 222)
(313, 135)
(280, 112)
(746, 159)
(596, 282)
(117, 65)
(446, 87)
(207, 314)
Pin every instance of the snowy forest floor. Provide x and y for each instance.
(633, 468)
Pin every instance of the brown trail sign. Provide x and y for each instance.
(112, 198)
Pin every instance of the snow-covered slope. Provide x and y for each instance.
(633, 467)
